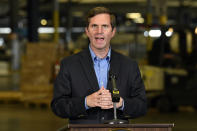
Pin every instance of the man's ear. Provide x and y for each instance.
(113, 31)
(86, 30)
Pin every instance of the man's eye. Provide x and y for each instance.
(94, 26)
(105, 26)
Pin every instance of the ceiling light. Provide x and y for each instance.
(169, 32)
(139, 20)
(133, 15)
(195, 31)
(43, 22)
(5, 30)
(155, 33)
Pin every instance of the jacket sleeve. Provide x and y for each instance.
(136, 104)
(63, 104)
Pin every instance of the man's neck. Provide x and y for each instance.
(102, 53)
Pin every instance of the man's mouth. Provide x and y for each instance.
(99, 38)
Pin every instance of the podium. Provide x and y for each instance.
(120, 127)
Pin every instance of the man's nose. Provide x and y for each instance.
(100, 29)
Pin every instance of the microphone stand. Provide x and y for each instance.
(115, 100)
(115, 120)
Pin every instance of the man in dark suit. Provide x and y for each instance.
(82, 91)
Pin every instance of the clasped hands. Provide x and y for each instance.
(102, 98)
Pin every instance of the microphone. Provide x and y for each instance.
(115, 99)
(115, 91)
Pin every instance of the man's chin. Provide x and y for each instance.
(101, 47)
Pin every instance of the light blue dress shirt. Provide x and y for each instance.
(101, 68)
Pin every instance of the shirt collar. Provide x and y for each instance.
(94, 57)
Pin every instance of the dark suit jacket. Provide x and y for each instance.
(77, 79)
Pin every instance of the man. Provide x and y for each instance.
(82, 91)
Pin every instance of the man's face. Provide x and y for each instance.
(100, 31)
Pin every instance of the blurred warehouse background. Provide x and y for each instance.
(161, 35)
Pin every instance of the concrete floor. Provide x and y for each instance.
(17, 117)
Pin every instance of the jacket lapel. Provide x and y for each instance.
(87, 64)
(114, 68)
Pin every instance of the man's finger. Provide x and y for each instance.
(99, 92)
(106, 107)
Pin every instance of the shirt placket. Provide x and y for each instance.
(102, 69)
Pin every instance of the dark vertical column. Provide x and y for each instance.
(14, 7)
(33, 20)
(192, 61)
(182, 44)
(15, 44)
(56, 20)
(194, 45)
(148, 23)
(182, 24)
(69, 25)
(194, 40)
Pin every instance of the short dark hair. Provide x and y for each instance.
(100, 10)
